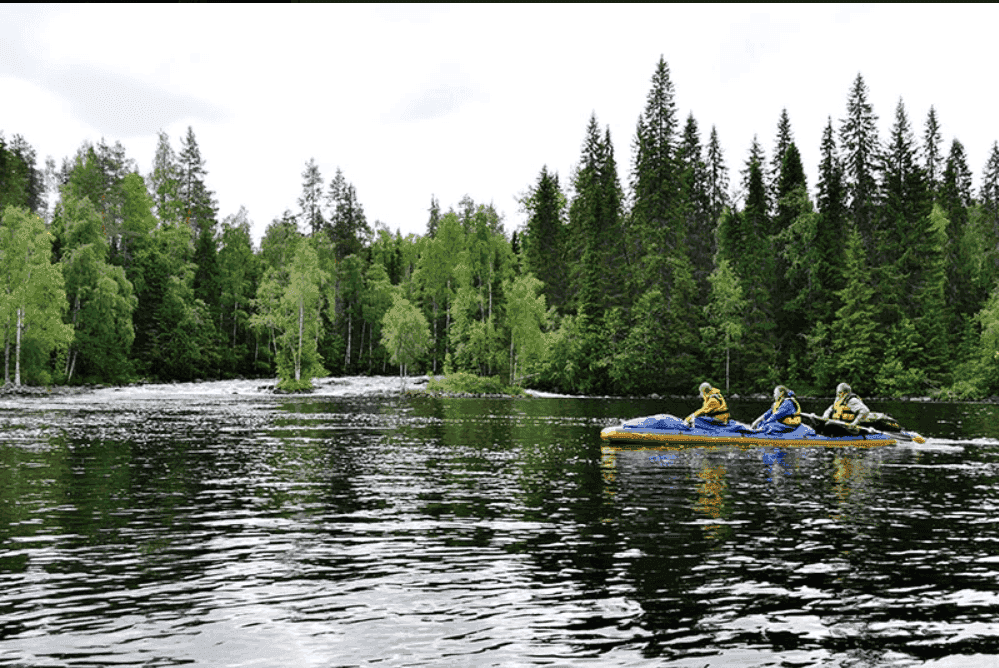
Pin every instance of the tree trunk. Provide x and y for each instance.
(435, 335)
(346, 359)
(513, 364)
(728, 354)
(17, 350)
(76, 311)
(6, 354)
(301, 336)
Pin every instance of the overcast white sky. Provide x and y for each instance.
(411, 101)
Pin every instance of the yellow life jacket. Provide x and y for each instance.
(721, 413)
(790, 420)
(841, 409)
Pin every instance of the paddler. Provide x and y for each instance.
(783, 417)
(847, 407)
(714, 412)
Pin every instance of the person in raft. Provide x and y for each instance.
(783, 417)
(848, 407)
(714, 412)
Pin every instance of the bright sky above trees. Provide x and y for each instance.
(411, 101)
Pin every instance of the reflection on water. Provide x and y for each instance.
(231, 528)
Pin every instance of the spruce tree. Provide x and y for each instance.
(785, 137)
(859, 140)
(832, 228)
(962, 293)
(164, 182)
(311, 200)
(933, 160)
(717, 175)
(694, 202)
(435, 216)
(853, 332)
(758, 274)
(23, 165)
(200, 213)
(757, 202)
(347, 225)
(791, 181)
(198, 203)
(544, 238)
(654, 185)
(989, 191)
(903, 244)
(792, 203)
(595, 228)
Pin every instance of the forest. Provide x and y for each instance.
(882, 274)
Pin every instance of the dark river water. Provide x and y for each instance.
(219, 525)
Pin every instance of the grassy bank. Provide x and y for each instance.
(466, 384)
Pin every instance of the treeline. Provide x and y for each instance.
(887, 279)
(135, 278)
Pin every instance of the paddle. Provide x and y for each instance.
(900, 435)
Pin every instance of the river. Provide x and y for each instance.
(217, 524)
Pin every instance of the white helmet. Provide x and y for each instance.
(779, 392)
(704, 387)
(842, 388)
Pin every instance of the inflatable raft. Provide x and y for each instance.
(664, 428)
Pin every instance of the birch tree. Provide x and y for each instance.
(290, 311)
(32, 298)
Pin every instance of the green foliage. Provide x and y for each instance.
(852, 334)
(405, 333)
(288, 308)
(100, 296)
(544, 238)
(527, 317)
(346, 226)
(726, 311)
(465, 383)
(104, 333)
(239, 272)
(183, 348)
(32, 298)
(900, 373)
(887, 281)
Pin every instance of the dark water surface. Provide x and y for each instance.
(216, 525)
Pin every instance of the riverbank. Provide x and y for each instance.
(435, 386)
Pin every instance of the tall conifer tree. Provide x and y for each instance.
(989, 191)
(933, 159)
(164, 182)
(962, 293)
(347, 224)
(785, 137)
(833, 227)
(595, 224)
(659, 229)
(695, 204)
(903, 237)
(311, 199)
(543, 244)
(717, 175)
(859, 140)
